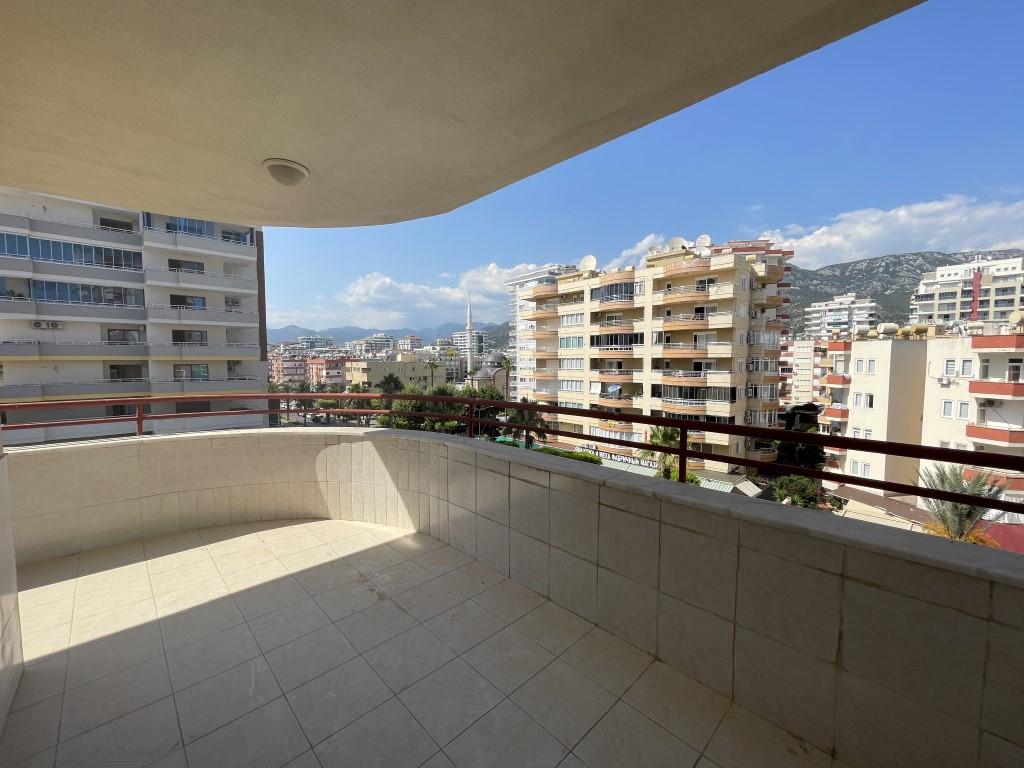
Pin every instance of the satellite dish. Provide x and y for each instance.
(588, 263)
(704, 241)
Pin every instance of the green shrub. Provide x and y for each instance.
(576, 455)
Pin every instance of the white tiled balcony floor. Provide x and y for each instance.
(333, 643)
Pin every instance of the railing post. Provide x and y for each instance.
(683, 434)
(138, 418)
(472, 419)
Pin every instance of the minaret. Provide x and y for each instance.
(469, 334)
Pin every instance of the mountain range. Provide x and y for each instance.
(497, 331)
(890, 280)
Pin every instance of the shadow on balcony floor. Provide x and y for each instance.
(339, 643)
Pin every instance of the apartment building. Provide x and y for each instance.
(315, 342)
(844, 313)
(524, 291)
(410, 371)
(693, 334)
(481, 342)
(326, 371)
(409, 343)
(874, 388)
(104, 302)
(287, 368)
(974, 399)
(977, 291)
(802, 367)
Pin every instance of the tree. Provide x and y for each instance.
(390, 384)
(304, 403)
(956, 521)
(405, 412)
(444, 423)
(432, 365)
(506, 365)
(485, 412)
(667, 462)
(524, 423)
(801, 491)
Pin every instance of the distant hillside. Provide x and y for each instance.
(889, 280)
(351, 333)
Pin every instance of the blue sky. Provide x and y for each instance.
(906, 136)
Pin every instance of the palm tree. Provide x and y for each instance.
(668, 437)
(432, 365)
(525, 423)
(506, 365)
(390, 384)
(956, 521)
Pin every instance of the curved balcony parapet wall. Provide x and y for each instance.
(749, 597)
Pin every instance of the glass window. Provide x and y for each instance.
(867, 434)
(855, 467)
(950, 369)
(856, 432)
(865, 470)
(963, 410)
(858, 399)
(869, 400)
(859, 363)
(946, 408)
(871, 366)
(967, 368)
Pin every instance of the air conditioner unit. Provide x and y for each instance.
(987, 404)
(38, 324)
(945, 381)
(54, 324)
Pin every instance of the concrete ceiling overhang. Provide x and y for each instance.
(398, 109)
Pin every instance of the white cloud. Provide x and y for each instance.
(955, 223)
(634, 255)
(376, 300)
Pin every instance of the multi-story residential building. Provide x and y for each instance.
(326, 371)
(974, 399)
(411, 372)
(802, 366)
(693, 335)
(976, 291)
(844, 313)
(481, 343)
(103, 302)
(288, 368)
(315, 342)
(524, 291)
(875, 390)
(378, 345)
(409, 343)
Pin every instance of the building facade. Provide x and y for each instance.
(977, 291)
(874, 388)
(105, 302)
(481, 343)
(845, 313)
(409, 343)
(326, 371)
(315, 342)
(524, 291)
(692, 335)
(802, 367)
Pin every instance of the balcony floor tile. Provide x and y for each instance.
(286, 644)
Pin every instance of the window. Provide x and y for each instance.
(121, 226)
(967, 368)
(234, 237)
(121, 371)
(871, 366)
(82, 293)
(858, 399)
(943, 443)
(859, 365)
(571, 385)
(179, 336)
(72, 253)
(961, 446)
(869, 400)
(571, 363)
(855, 467)
(179, 265)
(856, 432)
(574, 319)
(950, 369)
(865, 470)
(1014, 368)
(570, 342)
(946, 408)
(188, 302)
(963, 410)
(199, 371)
(186, 226)
(985, 364)
(124, 335)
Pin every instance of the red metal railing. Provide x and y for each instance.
(474, 414)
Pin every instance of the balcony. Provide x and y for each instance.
(414, 632)
(837, 380)
(1007, 390)
(1001, 435)
(545, 373)
(764, 300)
(203, 386)
(54, 310)
(541, 312)
(182, 241)
(686, 267)
(616, 374)
(542, 291)
(1011, 481)
(696, 292)
(1004, 343)
(683, 349)
(181, 278)
(835, 413)
(683, 405)
(75, 230)
(615, 350)
(167, 313)
(624, 400)
(839, 346)
(681, 322)
(762, 454)
(73, 349)
(769, 273)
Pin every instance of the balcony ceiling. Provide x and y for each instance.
(399, 110)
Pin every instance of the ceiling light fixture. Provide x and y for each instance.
(286, 172)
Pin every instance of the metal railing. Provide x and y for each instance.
(166, 231)
(480, 416)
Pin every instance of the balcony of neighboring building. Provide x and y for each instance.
(999, 434)
(201, 279)
(685, 266)
(693, 292)
(543, 373)
(202, 315)
(630, 354)
(763, 298)
(539, 332)
(1010, 481)
(837, 380)
(618, 397)
(682, 349)
(839, 347)
(1003, 390)
(998, 343)
(837, 412)
(197, 236)
(762, 454)
(627, 323)
(769, 273)
(694, 378)
(623, 374)
(539, 291)
(683, 321)
(541, 312)
(123, 233)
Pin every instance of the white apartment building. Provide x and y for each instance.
(974, 399)
(315, 342)
(481, 342)
(844, 313)
(692, 335)
(802, 367)
(875, 389)
(976, 291)
(376, 345)
(409, 343)
(524, 291)
(103, 302)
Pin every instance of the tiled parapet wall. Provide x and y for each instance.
(882, 646)
(10, 618)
